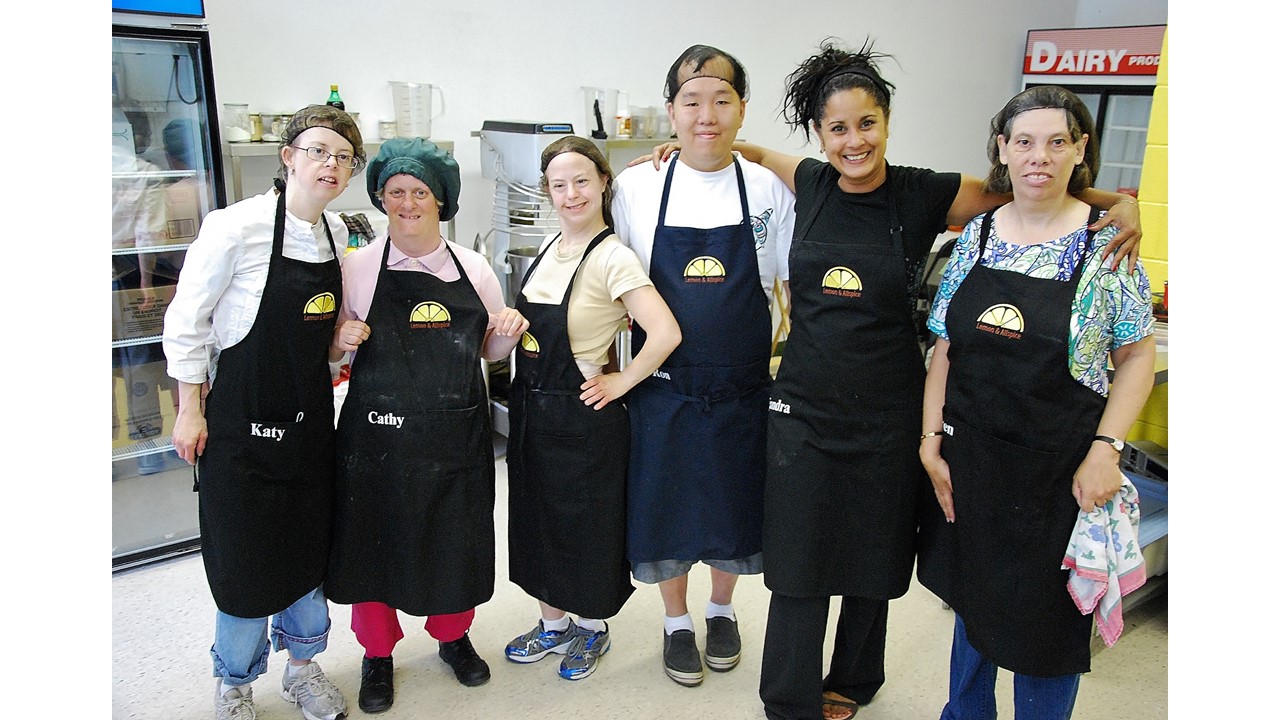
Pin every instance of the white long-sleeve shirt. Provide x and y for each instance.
(223, 276)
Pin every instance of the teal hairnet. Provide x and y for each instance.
(421, 159)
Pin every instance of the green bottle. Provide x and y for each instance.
(335, 99)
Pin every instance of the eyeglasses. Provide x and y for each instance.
(399, 194)
(320, 155)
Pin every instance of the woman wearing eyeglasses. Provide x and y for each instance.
(413, 503)
(252, 321)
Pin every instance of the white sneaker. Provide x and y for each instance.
(234, 704)
(316, 694)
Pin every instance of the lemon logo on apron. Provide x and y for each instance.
(320, 307)
(529, 345)
(704, 269)
(1002, 319)
(842, 282)
(430, 314)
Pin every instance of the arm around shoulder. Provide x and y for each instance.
(780, 164)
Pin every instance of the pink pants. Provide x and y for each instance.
(377, 627)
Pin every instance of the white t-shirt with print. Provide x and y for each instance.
(706, 200)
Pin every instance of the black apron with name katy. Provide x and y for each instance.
(413, 502)
(567, 471)
(843, 473)
(266, 475)
(1017, 425)
(698, 423)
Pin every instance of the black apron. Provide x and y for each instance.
(567, 471)
(698, 423)
(413, 501)
(844, 473)
(266, 475)
(1017, 425)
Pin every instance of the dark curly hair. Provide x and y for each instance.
(832, 70)
(1079, 124)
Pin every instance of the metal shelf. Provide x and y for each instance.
(131, 342)
(241, 150)
(157, 174)
(150, 249)
(151, 446)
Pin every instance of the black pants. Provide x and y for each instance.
(791, 671)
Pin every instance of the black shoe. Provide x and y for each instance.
(470, 668)
(377, 691)
(680, 658)
(724, 646)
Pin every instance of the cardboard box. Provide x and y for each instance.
(133, 317)
(142, 404)
(182, 211)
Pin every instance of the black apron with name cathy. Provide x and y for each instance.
(698, 423)
(567, 471)
(266, 475)
(1016, 426)
(844, 470)
(413, 501)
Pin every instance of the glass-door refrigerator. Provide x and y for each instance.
(166, 175)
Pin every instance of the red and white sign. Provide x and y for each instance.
(1094, 51)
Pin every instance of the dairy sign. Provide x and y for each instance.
(1094, 51)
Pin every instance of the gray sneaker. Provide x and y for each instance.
(724, 646)
(584, 653)
(680, 658)
(235, 704)
(316, 694)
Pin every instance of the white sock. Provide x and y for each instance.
(672, 624)
(556, 625)
(725, 611)
(224, 687)
(290, 669)
(591, 624)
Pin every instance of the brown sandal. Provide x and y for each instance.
(835, 701)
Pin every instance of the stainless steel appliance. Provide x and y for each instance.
(522, 219)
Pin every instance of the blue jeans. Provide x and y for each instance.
(240, 644)
(973, 688)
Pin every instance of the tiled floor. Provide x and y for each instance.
(163, 622)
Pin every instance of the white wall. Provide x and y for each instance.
(956, 64)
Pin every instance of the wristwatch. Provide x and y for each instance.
(1117, 445)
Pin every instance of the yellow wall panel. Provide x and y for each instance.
(1158, 131)
(1155, 175)
(1155, 230)
(1153, 194)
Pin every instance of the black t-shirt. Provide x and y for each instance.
(923, 198)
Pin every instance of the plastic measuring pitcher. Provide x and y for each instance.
(413, 108)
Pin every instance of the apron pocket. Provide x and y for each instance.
(271, 453)
(1005, 493)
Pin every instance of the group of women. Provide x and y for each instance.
(857, 432)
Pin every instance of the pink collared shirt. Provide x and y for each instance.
(360, 278)
(360, 275)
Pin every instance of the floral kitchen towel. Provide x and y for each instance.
(1105, 560)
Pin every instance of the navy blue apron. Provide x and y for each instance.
(266, 475)
(413, 503)
(844, 470)
(1017, 425)
(567, 471)
(698, 423)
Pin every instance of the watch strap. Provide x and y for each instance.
(1117, 445)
